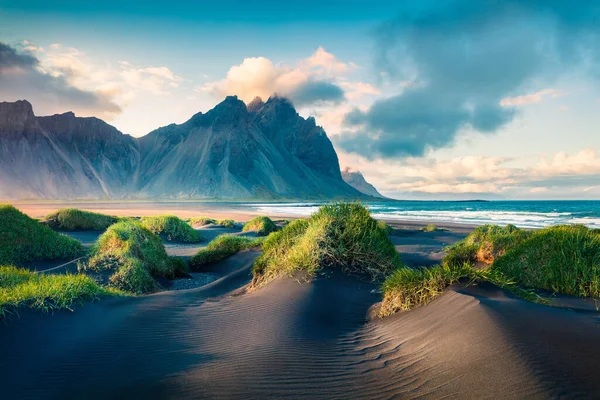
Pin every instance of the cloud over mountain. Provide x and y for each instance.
(311, 81)
(22, 76)
(468, 62)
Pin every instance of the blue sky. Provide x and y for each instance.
(430, 99)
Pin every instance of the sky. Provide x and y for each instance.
(445, 99)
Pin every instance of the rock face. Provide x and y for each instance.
(62, 156)
(358, 182)
(234, 151)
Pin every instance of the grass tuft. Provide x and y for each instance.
(486, 243)
(23, 288)
(385, 227)
(340, 235)
(133, 256)
(201, 221)
(262, 225)
(562, 259)
(223, 246)
(226, 223)
(24, 239)
(407, 288)
(172, 228)
(72, 219)
(432, 228)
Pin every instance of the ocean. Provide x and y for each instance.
(525, 214)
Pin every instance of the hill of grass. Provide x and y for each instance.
(341, 235)
(23, 288)
(132, 256)
(221, 247)
(172, 228)
(561, 259)
(226, 223)
(24, 239)
(72, 219)
(262, 225)
(201, 221)
(485, 244)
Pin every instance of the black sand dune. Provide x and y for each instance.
(311, 340)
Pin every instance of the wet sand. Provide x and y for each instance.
(310, 340)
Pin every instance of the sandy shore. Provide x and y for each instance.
(217, 210)
(311, 340)
(236, 211)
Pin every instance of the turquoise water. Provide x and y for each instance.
(526, 214)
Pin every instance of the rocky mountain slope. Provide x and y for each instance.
(234, 151)
(357, 181)
(62, 156)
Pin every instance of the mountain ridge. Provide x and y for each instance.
(263, 150)
(356, 179)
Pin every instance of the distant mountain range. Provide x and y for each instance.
(261, 151)
(358, 182)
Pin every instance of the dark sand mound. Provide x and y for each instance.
(311, 340)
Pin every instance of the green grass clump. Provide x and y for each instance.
(386, 227)
(341, 235)
(133, 256)
(432, 228)
(201, 221)
(223, 246)
(23, 288)
(486, 243)
(262, 225)
(24, 239)
(407, 287)
(172, 228)
(226, 223)
(563, 259)
(71, 219)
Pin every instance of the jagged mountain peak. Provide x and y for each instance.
(255, 105)
(355, 178)
(16, 118)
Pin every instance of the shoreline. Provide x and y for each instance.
(237, 211)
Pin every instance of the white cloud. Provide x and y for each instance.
(31, 48)
(157, 80)
(531, 98)
(470, 175)
(259, 76)
(327, 63)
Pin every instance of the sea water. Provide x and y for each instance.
(526, 214)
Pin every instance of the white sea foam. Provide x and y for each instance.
(525, 219)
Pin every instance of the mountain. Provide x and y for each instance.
(62, 156)
(261, 151)
(357, 181)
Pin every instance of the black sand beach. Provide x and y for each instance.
(309, 340)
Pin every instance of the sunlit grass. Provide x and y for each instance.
(72, 219)
(24, 239)
(226, 223)
(23, 288)
(223, 246)
(261, 225)
(341, 235)
(134, 256)
(172, 228)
